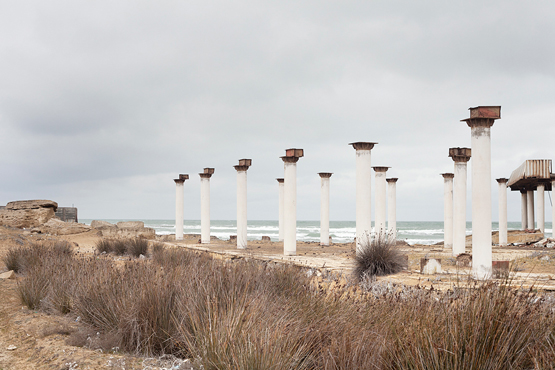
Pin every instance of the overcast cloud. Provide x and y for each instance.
(103, 103)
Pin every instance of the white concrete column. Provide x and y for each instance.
(363, 193)
(448, 210)
(205, 205)
(552, 210)
(392, 207)
(380, 197)
(541, 207)
(325, 208)
(179, 206)
(281, 211)
(242, 168)
(460, 157)
(502, 212)
(480, 122)
(531, 222)
(290, 200)
(524, 209)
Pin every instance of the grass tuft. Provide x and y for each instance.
(137, 247)
(378, 257)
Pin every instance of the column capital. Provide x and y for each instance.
(392, 180)
(205, 175)
(502, 180)
(290, 159)
(363, 145)
(280, 180)
(184, 176)
(241, 168)
(381, 168)
(460, 154)
(325, 175)
(483, 116)
(179, 181)
(294, 152)
(448, 175)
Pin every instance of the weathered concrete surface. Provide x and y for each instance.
(96, 224)
(517, 237)
(27, 213)
(124, 229)
(31, 204)
(131, 224)
(58, 227)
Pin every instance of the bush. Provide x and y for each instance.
(12, 259)
(104, 246)
(137, 246)
(378, 257)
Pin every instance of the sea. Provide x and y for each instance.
(413, 232)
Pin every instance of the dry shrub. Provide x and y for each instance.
(104, 246)
(12, 260)
(133, 247)
(252, 315)
(137, 247)
(487, 326)
(378, 257)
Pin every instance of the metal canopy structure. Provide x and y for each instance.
(531, 173)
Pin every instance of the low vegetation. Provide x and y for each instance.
(134, 247)
(379, 256)
(254, 315)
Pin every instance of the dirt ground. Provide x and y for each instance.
(35, 340)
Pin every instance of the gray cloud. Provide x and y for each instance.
(102, 104)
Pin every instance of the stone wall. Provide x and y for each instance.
(125, 229)
(27, 213)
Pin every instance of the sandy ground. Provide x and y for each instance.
(40, 339)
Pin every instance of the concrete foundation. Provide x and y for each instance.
(448, 209)
(290, 200)
(531, 222)
(381, 197)
(480, 122)
(502, 212)
(241, 169)
(524, 209)
(325, 208)
(541, 207)
(205, 205)
(363, 193)
(553, 212)
(281, 210)
(179, 211)
(392, 207)
(460, 156)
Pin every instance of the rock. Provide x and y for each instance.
(464, 260)
(125, 229)
(430, 266)
(8, 275)
(131, 225)
(96, 224)
(11, 347)
(31, 204)
(25, 218)
(57, 227)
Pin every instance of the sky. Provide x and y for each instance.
(104, 103)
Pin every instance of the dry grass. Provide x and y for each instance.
(378, 257)
(252, 315)
(133, 247)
